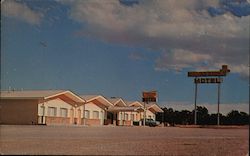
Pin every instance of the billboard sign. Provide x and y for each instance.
(208, 77)
(150, 96)
(208, 80)
(221, 72)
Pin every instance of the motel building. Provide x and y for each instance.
(95, 110)
(63, 107)
(40, 107)
(123, 113)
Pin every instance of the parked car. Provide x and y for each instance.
(150, 122)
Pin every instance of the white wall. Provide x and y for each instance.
(149, 113)
(121, 115)
(57, 103)
(91, 107)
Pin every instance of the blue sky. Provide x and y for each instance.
(121, 48)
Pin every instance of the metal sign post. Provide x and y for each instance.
(195, 108)
(218, 109)
(146, 98)
(201, 77)
(144, 115)
(84, 120)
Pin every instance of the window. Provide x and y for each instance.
(42, 110)
(120, 116)
(132, 117)
(86, 114)
(95, 115)
(52, 111)
(63, 112)
(126, 116)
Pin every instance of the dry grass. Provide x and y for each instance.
(79, 140)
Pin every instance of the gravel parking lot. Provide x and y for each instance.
(80, 140)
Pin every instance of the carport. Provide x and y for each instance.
(119, 114)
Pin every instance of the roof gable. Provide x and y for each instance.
(154, 107)
(40, 95)
(99, 98)
(117, 101)
(29, 94)
(134, 103)
(118, 109)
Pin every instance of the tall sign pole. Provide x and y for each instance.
(195, 108)
(208, 77)
(218, 109)
(147, 97)
(144, 115)
(84, 120)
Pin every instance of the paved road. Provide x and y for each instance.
(75, 140)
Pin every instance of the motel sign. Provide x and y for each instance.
(149, 96)
(204, 77)
(221, 72)
(208, 80)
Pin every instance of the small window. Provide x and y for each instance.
(64, 112)
(52, 111)
(120, 116)
(86, 114)
(42, 110)
(126, 116)
(132, 117)
(95, 115)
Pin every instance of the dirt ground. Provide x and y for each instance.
(80, 140)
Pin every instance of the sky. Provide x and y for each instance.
(119, 48)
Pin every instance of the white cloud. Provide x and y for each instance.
(212, 108)
(136, 56)
(242, 69)
(169, 26)
(20, 11)
(179, 59)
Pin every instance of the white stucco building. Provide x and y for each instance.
(65, 107)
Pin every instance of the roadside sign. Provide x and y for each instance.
(204, 77)
(150, 96)
(221, 72)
